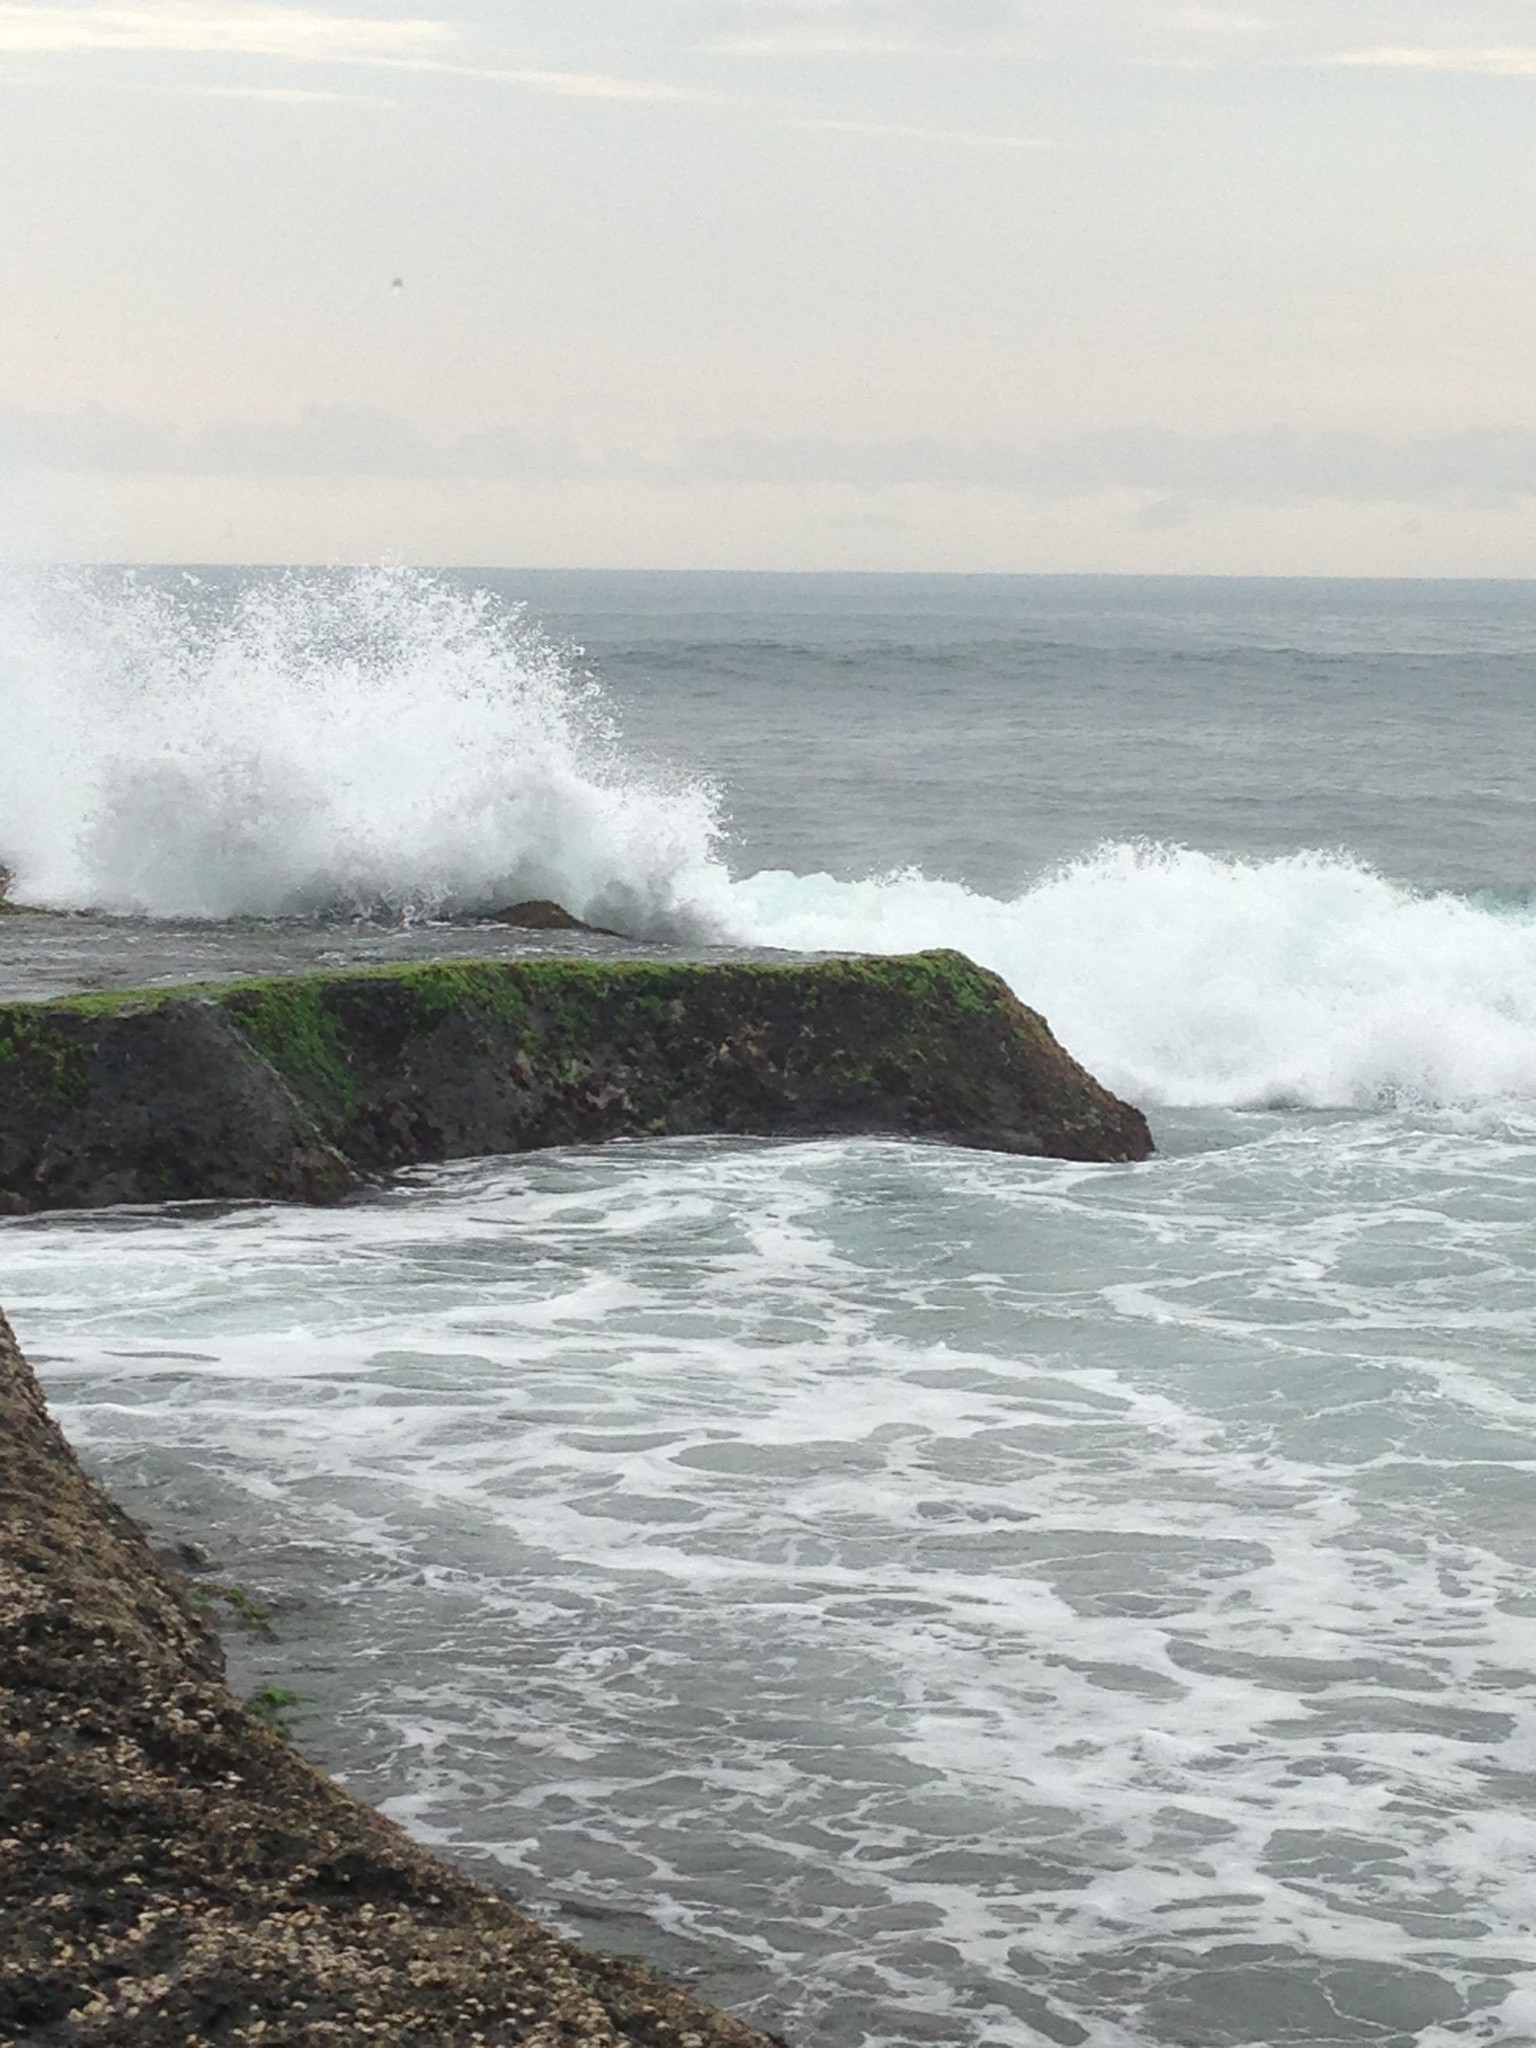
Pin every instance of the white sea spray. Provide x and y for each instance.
(379, 741)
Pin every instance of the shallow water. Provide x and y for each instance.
(45, 954)
(936, 1597)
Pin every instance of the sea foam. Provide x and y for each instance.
(371, 742)
(388, 742)
(1183, 977)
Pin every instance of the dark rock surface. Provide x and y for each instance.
(294, 1087)
(173, 1876)
(170, 1098)
(540, 915)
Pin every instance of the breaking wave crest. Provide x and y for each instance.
(387, 741)
(1183, 978)
(374, 741)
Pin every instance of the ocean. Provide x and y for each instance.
(917, 1596)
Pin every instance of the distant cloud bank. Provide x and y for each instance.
(1278, 465)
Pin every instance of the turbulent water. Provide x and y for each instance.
(932, 1597)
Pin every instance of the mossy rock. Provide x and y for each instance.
(297, 1086)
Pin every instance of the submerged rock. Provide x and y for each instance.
(540, 915)
(173, 1876)
(296, 1087)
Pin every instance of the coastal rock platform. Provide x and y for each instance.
(304, 1086)
(172, 1875)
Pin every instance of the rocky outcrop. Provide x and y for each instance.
(110, 1107)
(540, 915)
(172, 1876)
(296, 1087)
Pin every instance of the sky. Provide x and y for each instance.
(973, 285)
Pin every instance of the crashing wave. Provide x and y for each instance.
(390, 741)
(371, 741)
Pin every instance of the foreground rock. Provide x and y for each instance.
(170, 1873)
(296, 1087)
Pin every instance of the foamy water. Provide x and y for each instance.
(1181, 977)
(943, 1599)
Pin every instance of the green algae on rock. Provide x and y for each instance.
(173, 1876)
(295, 1087)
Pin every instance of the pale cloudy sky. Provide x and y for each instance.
(930, 284)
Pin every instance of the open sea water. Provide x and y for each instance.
(918, 1596)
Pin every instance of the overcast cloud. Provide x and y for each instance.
(191, 27)
(790, 282)
(843, 27)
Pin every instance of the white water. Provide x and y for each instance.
(1180, 977)
(378, 741)
(962, 1600)
(389, 741)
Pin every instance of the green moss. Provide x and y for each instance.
(326, 1032)
(502, 986)
(269, 1707)
(293, 1024)
(248, 1612)
(33, 1045)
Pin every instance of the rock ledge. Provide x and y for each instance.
(298, 1087)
